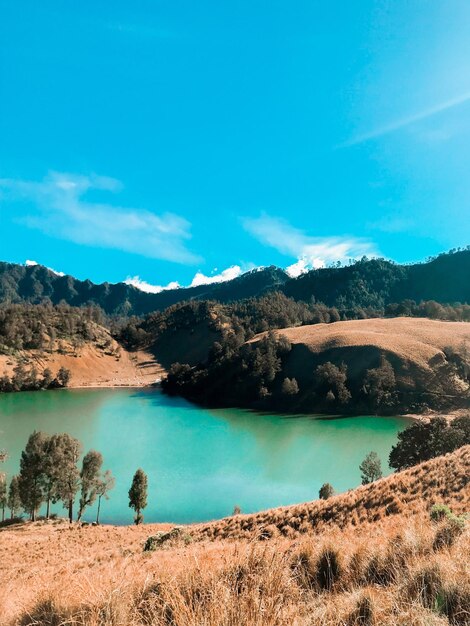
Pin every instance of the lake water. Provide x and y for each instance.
(199, 462)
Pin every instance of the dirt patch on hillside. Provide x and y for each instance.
(93, 367)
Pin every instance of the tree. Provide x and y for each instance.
(290, 387)
(425, 440)
(90, 479)
(52, 459)
(47, 378)
(31, 477)
(3, 495)
(330, 378)
(14, 498)
(63, 376)
(380, 383)
(68, 481)
(371, 468)
(326, 491)
(138, 494)
(104, 486)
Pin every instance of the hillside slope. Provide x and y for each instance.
(379, 365)
(359, 566)
(413, 491)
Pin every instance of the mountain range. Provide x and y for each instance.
(364, 283)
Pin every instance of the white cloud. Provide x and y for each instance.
(135, 281)
(60, 210)
(310, 252)
(228, 274)
(199, 279)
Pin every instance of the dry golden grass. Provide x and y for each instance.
(389, 572)
(416, 340)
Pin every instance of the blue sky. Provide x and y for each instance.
(171, 139)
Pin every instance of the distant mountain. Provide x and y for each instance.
(366, 283)
(377, 282)
(37, 284)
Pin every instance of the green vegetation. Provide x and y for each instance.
(371, 468)
(326, 491)
(138, 495)
(425, 440)
(49, 473)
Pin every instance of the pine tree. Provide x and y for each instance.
(104, 486)
(3, 495)
(68, 481)
(90, 479)
(31, 477)
(138, 494)
(14, 498)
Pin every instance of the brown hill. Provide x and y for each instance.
(354, 565)
(431, 359)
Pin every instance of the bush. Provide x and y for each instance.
(326, 491)
(156, 541)
(363, 614)
(426, 586)
(439, 511)
(328, 568)
(448, 533)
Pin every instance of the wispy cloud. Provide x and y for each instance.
(310, 252)
(199, 279)
(59, 208)
(408, 120)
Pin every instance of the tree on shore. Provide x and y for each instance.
(371, 468)
(90, 480)
(51, 467)
(14, 498)
(104, 486)
(138, 494)
(30, 481)
(69, 476)
(63, 376)
(3, 495)
(3, 486)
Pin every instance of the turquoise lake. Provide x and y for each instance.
(200, 462)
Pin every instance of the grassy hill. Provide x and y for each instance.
(371, 556)
(383, 366)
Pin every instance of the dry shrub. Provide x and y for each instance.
(426, 586)
(329, 568)
(448, 532)
(456, 605)
(363, 613)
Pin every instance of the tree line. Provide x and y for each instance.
(23, 379)
(50, 472)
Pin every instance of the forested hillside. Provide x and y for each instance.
(37, 285)
(373, 283)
